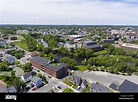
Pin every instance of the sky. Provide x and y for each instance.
(69, 12)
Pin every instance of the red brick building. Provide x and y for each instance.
(46, 66)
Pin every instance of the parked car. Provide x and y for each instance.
(49, 76)
(59, 87)
(27, 88)
(33, 89)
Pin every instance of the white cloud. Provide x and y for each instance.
(67, 12)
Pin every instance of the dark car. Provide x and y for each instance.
(49, 76)
(59, 87)
(27, 88)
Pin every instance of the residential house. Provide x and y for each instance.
(7, 51)
(36, 81)
(12, 37)
(111, 41)
(113, 86)
(12, 89)
(95, 88)
(3, 87)
(84, 84)
(1, 55)
(10, 59)
(95, 47)
(76, 80)
(87, 43)
(27, 77)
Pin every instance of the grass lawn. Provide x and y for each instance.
(5, 73)
(75, 86)
(87, 89)
(67, 81)
(81, 68)
(67, 90)
(22, 45)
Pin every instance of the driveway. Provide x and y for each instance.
(18, 71)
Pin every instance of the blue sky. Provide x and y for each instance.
(92, 12)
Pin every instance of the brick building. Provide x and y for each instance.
(46, 66)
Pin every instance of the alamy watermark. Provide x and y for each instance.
(14, 97)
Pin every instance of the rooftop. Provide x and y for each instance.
(130, 45)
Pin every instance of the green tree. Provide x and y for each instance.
(64, 60)
(27, 67)
(47, 50)
(18, 84)
(72, 63)
(89, 53)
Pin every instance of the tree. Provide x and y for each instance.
(89, 53)
(83, 62)
(80, 52)
(4, 66)
(63, 50)
(40, 47)
(47, 50)
(89, 67)
(64, 60)
(39, 75)
(27, 67)
(18, 84)
(72, 63)
(51, 56)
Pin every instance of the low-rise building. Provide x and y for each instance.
(36, 81)
(128, 46)
(12, 37)
(95, 47)
(27, 77)
(10, 59)
(95, 88)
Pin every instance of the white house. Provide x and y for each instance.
(27, 77)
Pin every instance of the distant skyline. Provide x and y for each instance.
(69, 12)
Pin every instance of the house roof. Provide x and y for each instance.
(128, 86)
(85, 82)
(35, 79)
(92, 46)
(47, 64)
(113, 86)
(40, 60)
(98, 88)
(12, 89)
(76, 79)
(3, 86)
(27, 75)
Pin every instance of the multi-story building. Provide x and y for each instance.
(46, 66)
